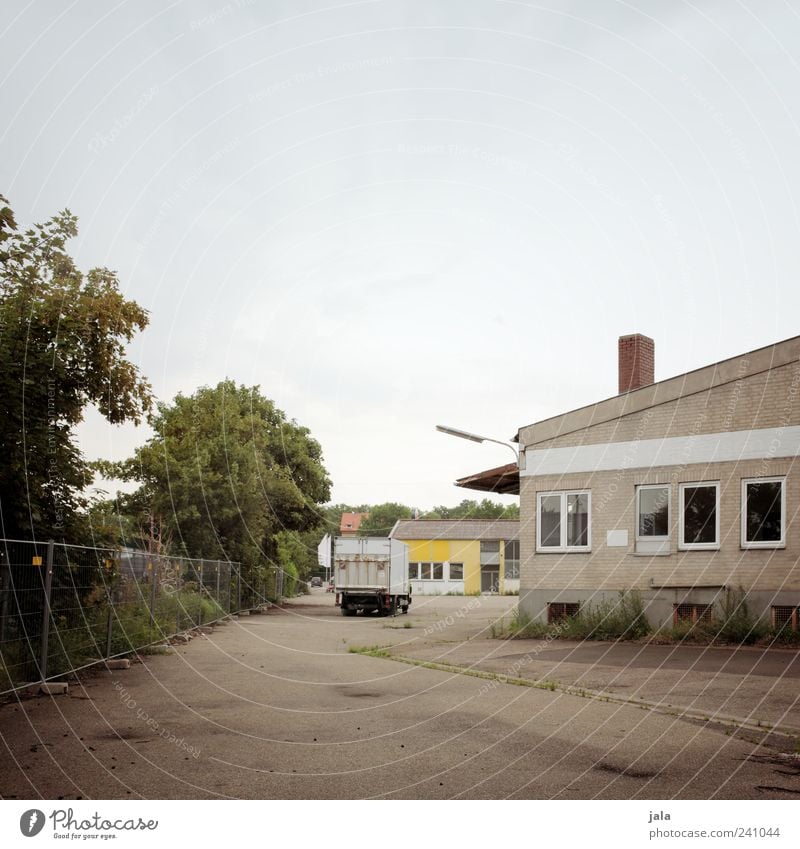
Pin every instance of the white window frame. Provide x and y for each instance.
(455, 563)
(661, 538)
(769, 544)
(563, 547)
(697, 546)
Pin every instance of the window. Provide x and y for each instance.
(763, 513)
(652, 512)
(558, 610)
(512, 559)
(564, 521)
(785, 617)
(456, 571)
(692, 612)
(699, 516)
(426, 571)
(490, 552)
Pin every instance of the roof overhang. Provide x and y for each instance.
(503, 480)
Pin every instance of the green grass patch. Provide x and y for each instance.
(371, 651)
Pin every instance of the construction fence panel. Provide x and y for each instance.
(65, 607)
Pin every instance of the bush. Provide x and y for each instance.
(623, 619)
(731, 622)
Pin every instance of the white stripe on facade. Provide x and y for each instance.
(671, 451)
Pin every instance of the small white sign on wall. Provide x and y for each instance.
(617, 539)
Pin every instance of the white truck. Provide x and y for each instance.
(370, 574)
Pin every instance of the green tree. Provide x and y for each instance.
(226, 473)
(469, 509)
(63, 340)
(382, 517)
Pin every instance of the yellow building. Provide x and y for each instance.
(461, 556)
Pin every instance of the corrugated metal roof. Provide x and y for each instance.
(485, 529)
(504, 479)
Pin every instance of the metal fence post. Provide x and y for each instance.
(239, 586)
(48, 592)
(217, 598)
(179, 602)
(5, 583)
(230, 588)
(153, 568)
(109, 628)
(200, 597)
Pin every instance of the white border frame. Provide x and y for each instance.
(563, 547)
(698, 546)
(450, 566)
(663, 538)
(745, 544)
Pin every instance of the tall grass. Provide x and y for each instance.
(622, 618)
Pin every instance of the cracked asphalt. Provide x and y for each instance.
(276, 706)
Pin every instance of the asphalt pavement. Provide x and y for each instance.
(279, 706)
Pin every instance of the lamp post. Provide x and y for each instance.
(474, 437)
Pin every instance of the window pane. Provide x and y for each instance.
(490, 546)
(654, 512)
(578, 519)
(550, 520)
(512, 549)
(699, 514)
(763, 523)
(512, 569)
(456, 571)
(413, 571)
(438, 571)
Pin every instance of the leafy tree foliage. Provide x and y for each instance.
(382, 517)
(228, 476)
(62, 347)
(468, 509)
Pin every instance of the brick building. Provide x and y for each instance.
(679, 489)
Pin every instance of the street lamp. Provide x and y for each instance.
(474, 437)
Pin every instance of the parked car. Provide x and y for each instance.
(316, 581)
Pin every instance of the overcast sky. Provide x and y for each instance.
(397, 213)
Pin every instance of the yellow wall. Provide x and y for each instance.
(467, 552)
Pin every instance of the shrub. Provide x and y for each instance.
(620, 619)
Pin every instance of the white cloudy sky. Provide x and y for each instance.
(396, 213)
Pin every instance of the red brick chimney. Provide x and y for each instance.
(637, 355)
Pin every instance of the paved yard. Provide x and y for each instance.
(276, 706)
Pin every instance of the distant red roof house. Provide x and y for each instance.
(350, 523)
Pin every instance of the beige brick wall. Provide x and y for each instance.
(613, 507)
(768, 399)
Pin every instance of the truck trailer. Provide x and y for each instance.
(371, 574)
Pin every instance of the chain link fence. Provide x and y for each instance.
(65, 607)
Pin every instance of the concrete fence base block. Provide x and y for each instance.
(256, 611)
(244, 613)
(182, 638)
(220, 622)
(54, 689)
(205, 629)
(119, 663)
